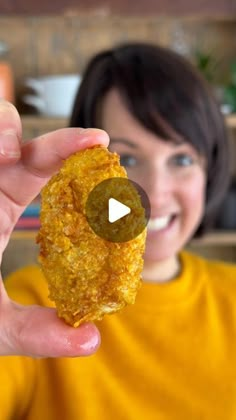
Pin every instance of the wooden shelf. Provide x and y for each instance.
(219, 238)
(24, 234)
(33, 121)
(47, 123)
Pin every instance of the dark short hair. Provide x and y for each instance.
(168, 96)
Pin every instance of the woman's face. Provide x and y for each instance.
(172, 175)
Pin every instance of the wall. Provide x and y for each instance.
(63, 44)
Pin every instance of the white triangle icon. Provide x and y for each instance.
(116, 210)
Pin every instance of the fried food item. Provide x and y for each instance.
(87, 275)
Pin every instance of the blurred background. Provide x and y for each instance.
(49, 43)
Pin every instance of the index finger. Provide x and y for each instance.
(44, 155)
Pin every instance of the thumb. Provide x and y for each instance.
(38, 332)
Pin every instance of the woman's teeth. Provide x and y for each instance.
(159, 223)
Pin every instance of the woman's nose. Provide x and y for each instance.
(158, 186)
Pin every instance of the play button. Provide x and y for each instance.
(117, 209)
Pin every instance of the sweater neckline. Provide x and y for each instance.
(177, 290)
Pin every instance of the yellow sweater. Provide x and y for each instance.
(171, 356)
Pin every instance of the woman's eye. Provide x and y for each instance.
(128, 161)
(183, 160)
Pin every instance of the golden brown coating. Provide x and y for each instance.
(88, 276)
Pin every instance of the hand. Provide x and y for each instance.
(24, 169)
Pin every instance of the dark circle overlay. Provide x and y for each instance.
(128, 193)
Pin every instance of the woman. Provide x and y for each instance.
(172, 354)
(136, 93)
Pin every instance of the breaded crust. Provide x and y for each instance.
(87, 276)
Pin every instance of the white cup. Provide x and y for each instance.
(54, 95)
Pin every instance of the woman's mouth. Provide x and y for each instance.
(156, 224)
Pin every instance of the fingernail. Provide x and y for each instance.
(97, 133)
(90, 131)
(85, 340)
(5, 105)
(9, 144)
(91, 342)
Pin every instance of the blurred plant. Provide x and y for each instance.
(206, 64)
(229, 94)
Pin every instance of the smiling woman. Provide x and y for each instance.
(149, 82)
(172, 174)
